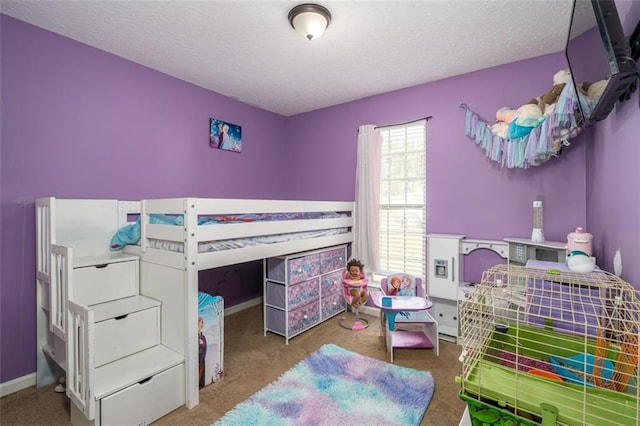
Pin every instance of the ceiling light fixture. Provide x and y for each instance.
(310, 20)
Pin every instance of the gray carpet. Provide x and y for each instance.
(253, 361)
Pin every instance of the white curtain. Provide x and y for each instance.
(367, 218)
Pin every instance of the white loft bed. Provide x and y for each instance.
(191, 235)
(163, 268)
(172, 276)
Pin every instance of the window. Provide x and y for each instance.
(403, 199)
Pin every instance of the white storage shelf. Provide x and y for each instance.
(95, 323)
(133, 371)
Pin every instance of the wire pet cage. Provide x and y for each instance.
(550, 347)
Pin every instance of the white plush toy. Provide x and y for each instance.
(529, 115)
(561, 77)
(595, 90)
(500, 129)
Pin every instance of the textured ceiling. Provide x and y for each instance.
(247, 51)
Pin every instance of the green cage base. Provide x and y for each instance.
(482, 414)
(491, 386)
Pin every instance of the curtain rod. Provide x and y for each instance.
(406, 122)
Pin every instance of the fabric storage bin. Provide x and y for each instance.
(332, 282)
(333, 259)
(302, 293)
(210, 338)
(298, 269)
(332, 304)
(304, 317)
(303, 268)
(298, 295)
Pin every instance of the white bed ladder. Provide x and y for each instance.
(80, 356)
(61, 273)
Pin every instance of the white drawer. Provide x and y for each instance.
(145, 402)
(118, 337)
(446, 313)
(102, 283)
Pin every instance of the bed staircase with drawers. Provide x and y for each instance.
(95, 325)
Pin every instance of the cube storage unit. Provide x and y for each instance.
(544, 346)
(303, 289)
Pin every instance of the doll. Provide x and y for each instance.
(355, 280)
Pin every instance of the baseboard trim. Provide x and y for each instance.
(18, 384)
(242, 306)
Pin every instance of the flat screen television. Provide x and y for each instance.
(599, 55)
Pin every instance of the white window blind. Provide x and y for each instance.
(403, 199)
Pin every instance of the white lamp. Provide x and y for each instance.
(310, 20)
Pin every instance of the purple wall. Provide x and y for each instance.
(77, 122)
(466, 192)
(613, 179)
(81, 123)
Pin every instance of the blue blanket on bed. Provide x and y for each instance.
(130, 234)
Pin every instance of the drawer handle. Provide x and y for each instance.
(104, 265)
(143, 381)
(299, 271)
(305, 317)
(121, 317)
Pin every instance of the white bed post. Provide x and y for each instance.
(61, 268)
(80, 358)
(191, 297)
(47, 371)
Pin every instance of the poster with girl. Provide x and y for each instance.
(210, 339)
(225, 136)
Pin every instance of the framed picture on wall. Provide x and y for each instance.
(225, 136)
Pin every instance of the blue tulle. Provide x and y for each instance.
(529, 146)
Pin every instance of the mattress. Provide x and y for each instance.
(130, 234)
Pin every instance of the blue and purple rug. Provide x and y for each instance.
(334, 386)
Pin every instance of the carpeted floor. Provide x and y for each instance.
(252, 361)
